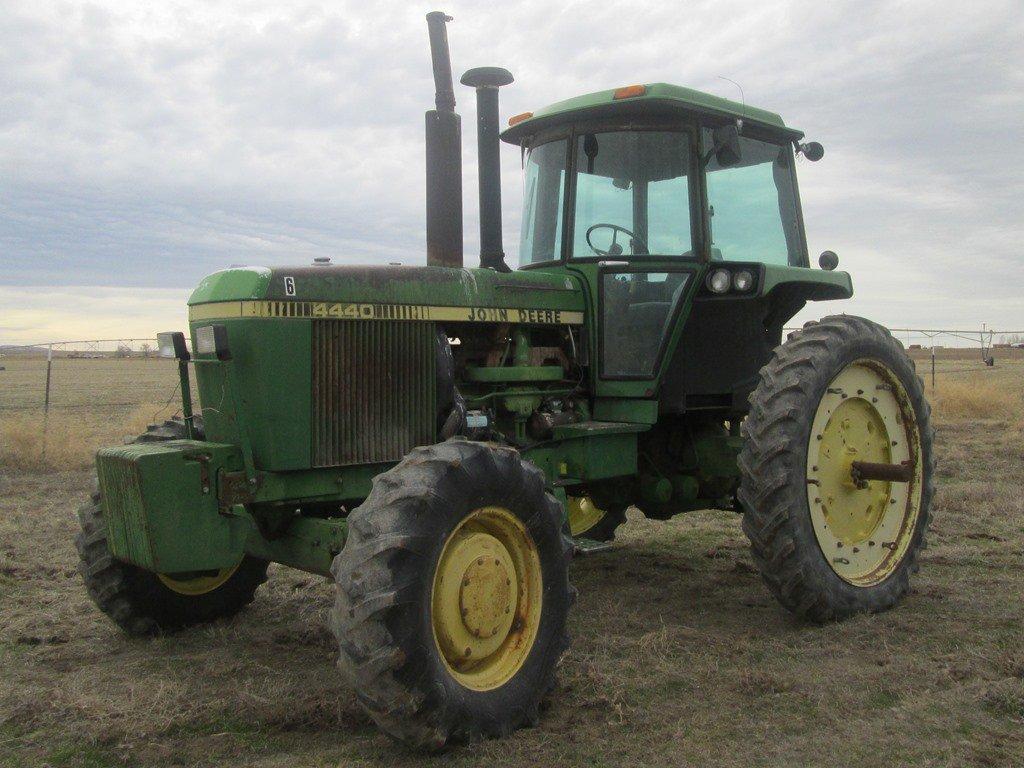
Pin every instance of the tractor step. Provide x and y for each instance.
(586, 547)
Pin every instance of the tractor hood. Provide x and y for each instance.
(389, 292)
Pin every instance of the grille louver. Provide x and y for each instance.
(373, 390)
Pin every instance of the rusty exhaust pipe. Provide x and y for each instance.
(444, 155)
(486, 81)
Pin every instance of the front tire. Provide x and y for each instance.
(827, 545)
(453, 594)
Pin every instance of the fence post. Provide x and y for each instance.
(49, 365)
(933, 366)
(46, 397)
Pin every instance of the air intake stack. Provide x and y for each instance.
(487, 81)
(444, 155)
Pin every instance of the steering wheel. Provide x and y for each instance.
(615, 249)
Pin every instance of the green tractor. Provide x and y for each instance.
(440, 440)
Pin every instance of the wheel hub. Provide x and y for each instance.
(863, 420)
(855, 432)
(486, 598)
(487, 595)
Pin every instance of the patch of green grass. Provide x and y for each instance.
(1006, 700)
(83, 756)
(10, 745)
(884, 698)
(10, 650)
(7, 585)
(17, 750)
(250, 735)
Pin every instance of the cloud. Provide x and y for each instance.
(89, 312)
(148, 145)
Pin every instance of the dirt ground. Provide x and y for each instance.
(680, 656)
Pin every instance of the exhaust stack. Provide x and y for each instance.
(444, 155)
(487, 81)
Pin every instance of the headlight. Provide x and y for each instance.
(719, 281)
(206, 342)
(743, 281)
(172, 344)
(213, 339)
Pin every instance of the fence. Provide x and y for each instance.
(957, 351)
(117, 375)
(105, 375)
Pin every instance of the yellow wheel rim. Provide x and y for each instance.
(865, 415)
(486, 598)
(583, 515)
(198, 585)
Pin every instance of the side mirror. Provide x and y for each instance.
(812, 150)
(727, 145)
(828, 260)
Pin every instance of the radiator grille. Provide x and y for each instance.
(373, 390)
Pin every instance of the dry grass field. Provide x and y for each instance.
(680, 657)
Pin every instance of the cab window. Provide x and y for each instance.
(541, 235)
(632, 194)
(752, 204)
(637, 309)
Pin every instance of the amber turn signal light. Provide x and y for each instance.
(516, 119)
(629, 91)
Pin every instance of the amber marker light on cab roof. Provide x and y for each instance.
(516, 119)
(629, 91)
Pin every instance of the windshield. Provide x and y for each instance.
(752, 205)
(632, 197)
(632, 194)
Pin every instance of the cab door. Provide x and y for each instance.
(634, 233)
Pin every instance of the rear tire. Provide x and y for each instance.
(826, 547)
(393, 584)
(144, 603)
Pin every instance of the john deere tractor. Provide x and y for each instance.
(439, 440)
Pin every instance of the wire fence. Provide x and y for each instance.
(98, 375)
(118, 375)
(939, 352)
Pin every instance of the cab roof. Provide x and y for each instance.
(656, 99)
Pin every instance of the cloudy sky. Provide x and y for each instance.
(144, 145)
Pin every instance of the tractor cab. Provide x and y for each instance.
(663, 198)
(672, 183)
